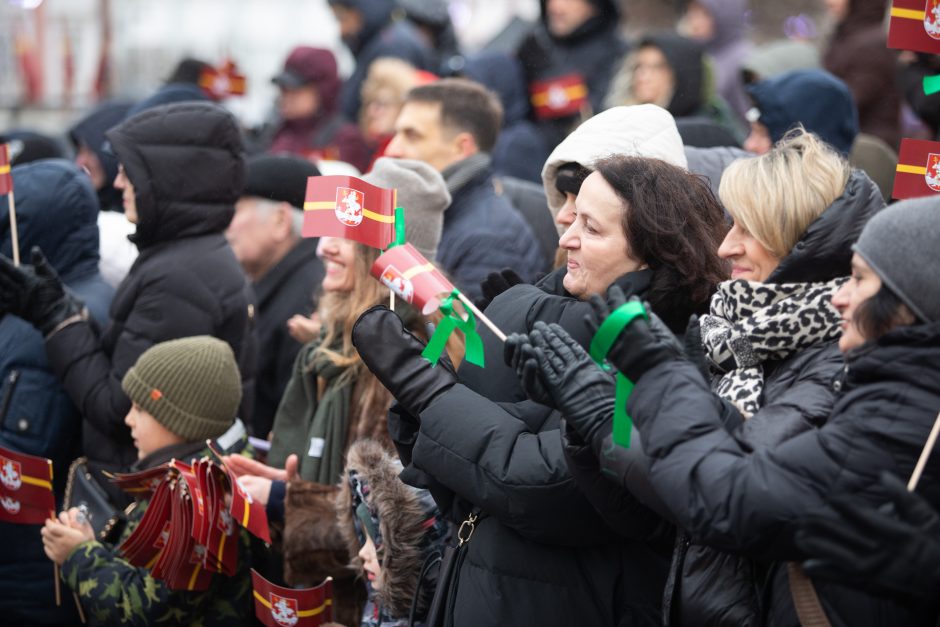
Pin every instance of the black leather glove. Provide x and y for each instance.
(517, 351)
(495, 284)
(393, 355)
(579, 388)
(693, 349)
(883, 551)
(36, 294)
(642, 345)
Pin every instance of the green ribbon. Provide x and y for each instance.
(601, 343)
(399, 228)
(451, 320)
(931, 84)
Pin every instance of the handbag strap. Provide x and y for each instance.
(433, 559)
(809, 610)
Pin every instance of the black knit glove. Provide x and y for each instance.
(577, 386)
(519, 355)
(36, 294)
(897, 551)
(642, 345)
(495, 284)
(393, 355)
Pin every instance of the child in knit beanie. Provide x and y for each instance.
(183, 392)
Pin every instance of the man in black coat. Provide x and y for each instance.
(182, 169)
(283, 267)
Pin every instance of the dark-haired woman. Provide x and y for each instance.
(752, 500)
(540, 554)
(769, 342)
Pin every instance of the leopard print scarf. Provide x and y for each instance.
(751, 323)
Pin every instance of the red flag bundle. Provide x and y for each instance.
(246, 511)
(348, 207)
(222, 81)
(417, 281)
(558, 97)
(918, 169)
(915, 25)
(276, 606)
(26, 495)
(6, 177)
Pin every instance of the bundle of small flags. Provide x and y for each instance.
(188, 532)
(26, 496)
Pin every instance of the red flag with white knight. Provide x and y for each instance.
(348, 207)
(6, 177)
(915, 25)
(918, 169)
(558, 97)
(26, 495)
(277, 606)
(416, 280)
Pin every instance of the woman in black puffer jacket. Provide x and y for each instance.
(770, 345)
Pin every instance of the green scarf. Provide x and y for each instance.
(313, 428)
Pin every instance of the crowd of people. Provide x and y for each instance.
(722, 353)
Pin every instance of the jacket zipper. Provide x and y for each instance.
(12, 378)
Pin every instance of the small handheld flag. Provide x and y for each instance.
(223, 81)
(918, 169)
(277, 606)
(413, 278)
(915, 25)
(348, 207)
(6, 177)
(558, 97)
(26, 495)
(601, 343)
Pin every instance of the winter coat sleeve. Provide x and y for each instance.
(749, 501)
(507, 459)
(163, 310)
(112, 591)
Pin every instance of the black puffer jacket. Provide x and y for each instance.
(187, 166)
(539, 555)
(751, 501)
(707, 586)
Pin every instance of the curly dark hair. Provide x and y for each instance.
(674, 223)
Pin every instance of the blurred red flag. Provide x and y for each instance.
(6, 177)
(348, 207)
(558, 97)
(276, 606)
(406, 272)
(918, 169)
(915, 25)
(223, 81)
(26, 495)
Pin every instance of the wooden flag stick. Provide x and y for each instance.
(14, 235)
(924, 455)
(479, 314)
(78, 606)
(391, 300)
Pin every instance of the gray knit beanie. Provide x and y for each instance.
(422, 193)
(191, 386)
(900, 243)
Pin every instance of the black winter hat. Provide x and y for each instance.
(282, 178)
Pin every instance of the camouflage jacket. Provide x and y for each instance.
(113, 592)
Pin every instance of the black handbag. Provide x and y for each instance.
(84, 492)
(441, 610)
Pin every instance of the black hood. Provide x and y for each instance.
(89, 131)
(376, 14)
(905, 354)
(608, 18)
(825, 250)
(685, 59)
(57, 210)
(187, 164)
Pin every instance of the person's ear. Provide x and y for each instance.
(465, 144)
(283, 222)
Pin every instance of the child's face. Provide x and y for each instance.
(370, 563)
(149, 435)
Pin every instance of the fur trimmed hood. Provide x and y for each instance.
(410, 525)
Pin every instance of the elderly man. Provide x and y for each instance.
(283, 268)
